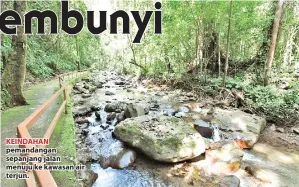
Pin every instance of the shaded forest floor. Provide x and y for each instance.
(278, 103)
(36, 95)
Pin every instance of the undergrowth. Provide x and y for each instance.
(278, 105)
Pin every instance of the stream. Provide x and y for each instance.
(119, 165)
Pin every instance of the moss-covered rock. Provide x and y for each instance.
(162, 138)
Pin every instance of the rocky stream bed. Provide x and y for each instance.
(131, 133)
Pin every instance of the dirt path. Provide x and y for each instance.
(35, 96)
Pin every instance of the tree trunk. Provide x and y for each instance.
(228, 40)
(219, 57)
(3, 55)
(270, 55)
(15, 70)
(78, 53)
(134, 61)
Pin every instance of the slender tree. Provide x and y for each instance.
(228, 40)
(78, 53)
(219, 58)
(275, 29)
(14, 73)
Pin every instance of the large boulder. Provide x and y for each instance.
(243, 127)
(162, 138)
(237, 120)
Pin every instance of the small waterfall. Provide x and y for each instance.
(216, 133)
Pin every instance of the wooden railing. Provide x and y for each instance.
(43, 177)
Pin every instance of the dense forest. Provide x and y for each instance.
(244, 53)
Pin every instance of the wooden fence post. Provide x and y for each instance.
(59, 79)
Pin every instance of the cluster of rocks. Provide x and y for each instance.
(162, 132)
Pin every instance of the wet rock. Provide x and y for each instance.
(245, 140)
(79, 87)
(111, 128)
(111, 107)
(87, 177)
(115, 107)
(245, 127)
(134, 110)
(169, 112)
(86, 79)
(224, 158)
(86, 86)
(180, 114)
(120, 160)
(272, 127)
(296, 131)
(195, 107)
(258, 173)
(81, 120)
(81, 110)
(184, 109)
(230, 180)
(120, 117)
(76, 92)
(95, 108)
(98, 115)
(106, 86)
(281, 130)
(78, 131)
(154, 107)
(109, 93)
(92, 89)
(203, 128)
(85, 130)
(120, 83)
(162, 138)
(227, 151)
(83, 126)
(104, 125)
(86, 92)
(83, 155)
(190, 94)
(160, 94)
(124, 159)
(111, 116)
(86, 95)
(236, 120)
(192, 99)
(98, 84)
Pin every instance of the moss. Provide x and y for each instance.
(93, 89)
(173, 142)
(5, 99)
(63, 138)
(192, 144)
(134, 128)
(173, 119)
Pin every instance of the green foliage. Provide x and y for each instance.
(276, 103)
(48, 55)
(5, 99)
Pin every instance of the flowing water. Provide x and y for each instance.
(283, 170)
(280, 167)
